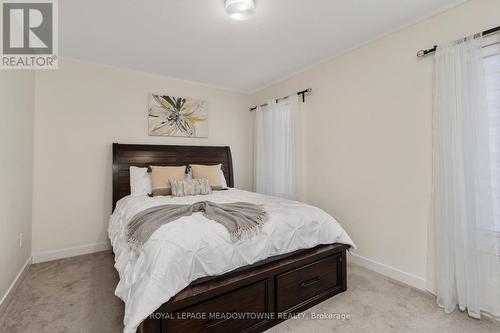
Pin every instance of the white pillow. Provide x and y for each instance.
(140, 181)
(223, 180)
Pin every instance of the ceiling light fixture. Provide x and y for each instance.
(240, 9)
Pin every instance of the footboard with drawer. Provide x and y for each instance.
(255, 299)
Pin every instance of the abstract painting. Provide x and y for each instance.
(177, 116)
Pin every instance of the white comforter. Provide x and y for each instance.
(193, 247)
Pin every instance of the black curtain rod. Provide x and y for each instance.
(299, 93)
(423, 53)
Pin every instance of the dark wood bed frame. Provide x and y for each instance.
(248, 300)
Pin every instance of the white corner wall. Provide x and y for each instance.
(16, 177)
(81, 109)
(368, 138)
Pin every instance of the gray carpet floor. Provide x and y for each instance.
(76, 295)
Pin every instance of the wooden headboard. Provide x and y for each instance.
(125, 155)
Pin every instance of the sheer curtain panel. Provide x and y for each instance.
(277, 148)
(466, 240)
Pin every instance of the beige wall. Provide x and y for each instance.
(80, 110)
(368, 135)
(16, 172)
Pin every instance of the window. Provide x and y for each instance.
(492, 73)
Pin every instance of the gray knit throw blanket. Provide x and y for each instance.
(241, 219)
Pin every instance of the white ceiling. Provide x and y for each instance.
(195, 40)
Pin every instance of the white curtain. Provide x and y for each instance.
(466, 238)
(278, 148)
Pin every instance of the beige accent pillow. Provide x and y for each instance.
(211, 172)
(161, 176)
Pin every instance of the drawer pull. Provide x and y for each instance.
(214, 323)
(309, 282)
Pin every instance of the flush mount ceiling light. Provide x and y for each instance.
(240, 9)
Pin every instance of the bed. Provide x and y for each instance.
(190, 277)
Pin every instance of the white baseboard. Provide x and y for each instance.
(70, 252)
(4, 302)
(393, 273)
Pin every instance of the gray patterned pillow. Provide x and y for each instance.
(185, 187)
